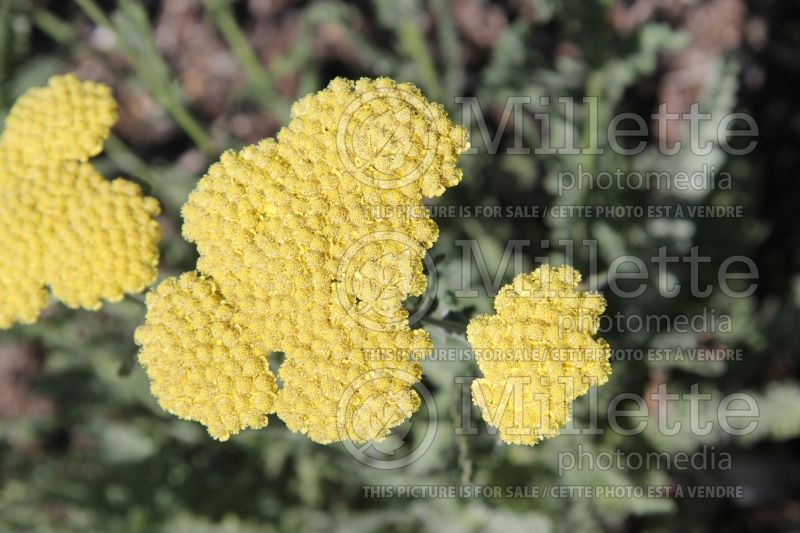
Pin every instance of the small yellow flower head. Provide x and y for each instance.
(61, 223)
(223, 375)
(291, 235)
(537, 353)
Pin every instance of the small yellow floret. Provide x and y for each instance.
(292, 233)
(537, 354)
(61, 223)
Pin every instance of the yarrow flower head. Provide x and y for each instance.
(537, 353)
(294, 258)
(62, 224)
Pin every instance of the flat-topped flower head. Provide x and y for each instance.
(62, 224)
(300, 258)
(537, 353)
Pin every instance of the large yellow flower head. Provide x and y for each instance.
(538, 354)
(62, 224)
(298, 256)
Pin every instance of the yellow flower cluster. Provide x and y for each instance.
(61, 223)
(297, 256)
(537, 353)
(203, 329)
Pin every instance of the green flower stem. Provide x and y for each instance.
(449, 47)
(137, 298)
(94, 12)
(54, 27)
(191, 127)
(135, 40)
(261, 80)
(413, 45)
(448, 325)
(128, 161)
(593, 89)
(464, 460)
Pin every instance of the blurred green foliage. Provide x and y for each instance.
(106, 458)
